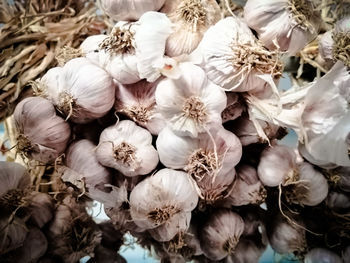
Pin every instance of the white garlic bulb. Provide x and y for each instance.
(234, 60)
(163, 203)
(220, 234)
(84, 91)
(190, 105)
(277, 164)
(191, 18)
(137, 101)
(129, 9)
(127, 148)
(287, 25)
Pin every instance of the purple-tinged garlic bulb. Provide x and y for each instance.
(83, 166)
(247, 188)
(325, 119)
(84, 91)
(127, 148)
(163, 203)
(321, 255)
(42, 135)
(235, 60)
(247, 133)
(220, 234)
(41, 208)
(285, 236)
(129, 9)
(137, 101)
(191, 18)
(33, 248)
(72, 234)
(287, 25)
(277, 165)
(247, 250)
(338, 201)
(209, 159)
(191, 105)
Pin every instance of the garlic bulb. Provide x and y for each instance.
(247, 188)
(72, 233)
(326, 119)
(199, 156)
(137, 101)
(42, 135)
(41, 207)
(190, 105)
(322, 255)
(311, 189)
(247, 250)
(338, 201)
(82, 163)
(277, 164)
(287, 25)
(234, 60)
(191, 19)
(285, 237)
(341, 37)
(84, 91)
(129, 9)
(12, 176)
(127, 148)
(247, 133)
(220, 234)
(163, 203)
(12, 234)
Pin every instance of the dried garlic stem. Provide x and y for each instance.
(193, 12)
(301, 11)
(201, 163)
(120, 41)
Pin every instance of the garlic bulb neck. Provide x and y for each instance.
(125, 153)
(294, 194)
(67, 53)
(195, 109)
(292, 177)
(301, 11)
(201, 163)
(24, 145)
(248, 56)
(341, 48)
(192, 12)
(120, 41)
(161, 215)
(230, 245)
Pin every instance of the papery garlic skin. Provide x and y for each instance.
(12, 176)
(287, 25)
(84, 92)
(127, 148)
(41, 208)
(326, 46)
(42, 135)
(277, 164)
(191, 19)
(81, 159)
(129, 9)
(234, 107)
(220, 234)
(137, 101)
(163, 203)
(191, 105)
(325, 119)
(234, 60)
(13, 234)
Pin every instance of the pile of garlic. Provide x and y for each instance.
(172, 121)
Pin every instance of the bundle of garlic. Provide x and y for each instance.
(173, 120)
